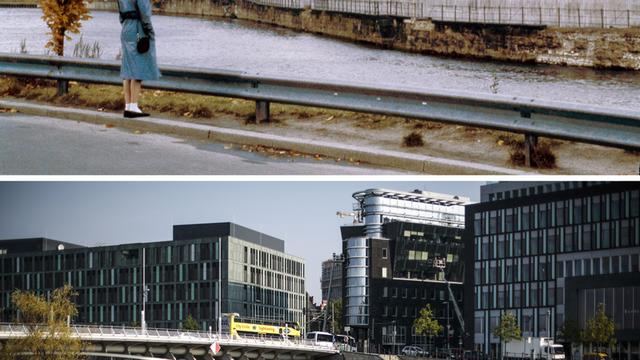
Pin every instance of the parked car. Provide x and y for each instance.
(413, 351)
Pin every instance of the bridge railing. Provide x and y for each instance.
(570, 17)
(538, 13)
(531, 117)
(124, 333)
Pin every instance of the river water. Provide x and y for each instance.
(257, 49)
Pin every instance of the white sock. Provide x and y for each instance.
(134, 107)
(127, 107)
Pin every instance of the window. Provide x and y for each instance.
(384, 272)
(569, 239)
(605, 265)
(606, 235)
(384, 253)
(596, 266)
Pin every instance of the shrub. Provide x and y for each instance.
(414, 139)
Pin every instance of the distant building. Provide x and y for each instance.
(551, 252)
(314, 315)
(259, 280)
(390, 272)
(331, 277)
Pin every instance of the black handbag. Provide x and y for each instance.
(143, 44)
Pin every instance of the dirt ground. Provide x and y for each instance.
(441, 140)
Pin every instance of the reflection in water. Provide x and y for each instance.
(259, 49)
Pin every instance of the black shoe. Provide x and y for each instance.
(134, 114)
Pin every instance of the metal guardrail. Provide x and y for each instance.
(531, 117)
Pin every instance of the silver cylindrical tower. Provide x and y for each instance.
(357, 285)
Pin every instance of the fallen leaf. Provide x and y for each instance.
(137, 132)
(108, 125)
(500, 142)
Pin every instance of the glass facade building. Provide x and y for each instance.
(331, 277)
(389, 266)
(551, 252)
(259, 280)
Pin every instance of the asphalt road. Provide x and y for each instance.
(32, 145)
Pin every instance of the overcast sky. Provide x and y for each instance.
(303, 214)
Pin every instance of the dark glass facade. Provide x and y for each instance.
(402, 280)
(552, 253)
(258, 278)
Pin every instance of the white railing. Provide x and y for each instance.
(534, 13)
(133, 334)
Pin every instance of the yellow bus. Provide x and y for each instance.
(236, 327)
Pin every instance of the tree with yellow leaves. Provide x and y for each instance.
(47, 335)
(63, 17)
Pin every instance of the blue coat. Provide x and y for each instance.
(136, 66)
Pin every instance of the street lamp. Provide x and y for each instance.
(395, 349)
(548, 333)
(143, 322)
(219, 288)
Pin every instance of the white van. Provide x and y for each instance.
(321, 338)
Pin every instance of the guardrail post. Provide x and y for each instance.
(63, 87)
(530, 143)
(262, 111)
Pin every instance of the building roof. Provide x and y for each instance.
(195, 231)
(38, 244)
(415, 195)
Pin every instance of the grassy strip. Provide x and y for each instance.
(190, 106)
(206, 109)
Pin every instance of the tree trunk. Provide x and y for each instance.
(60, 44)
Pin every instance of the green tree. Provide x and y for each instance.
(600, 329)
(507, 330)
(48, 336)
(190, 324)
(425, 324)
(570, 332)
(63, 17)
(335, 309)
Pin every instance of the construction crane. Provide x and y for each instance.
(356, 215)
(440, 264)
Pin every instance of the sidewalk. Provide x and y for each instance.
(373, 156)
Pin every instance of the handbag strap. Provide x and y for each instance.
(144, 29)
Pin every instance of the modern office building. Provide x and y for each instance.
(331, 278)
(390, 255)
(550, 253)
(258, 279)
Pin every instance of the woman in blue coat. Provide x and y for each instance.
(135, 18)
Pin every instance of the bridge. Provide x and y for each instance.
(155, 343)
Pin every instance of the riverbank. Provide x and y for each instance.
(612, 48)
